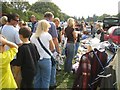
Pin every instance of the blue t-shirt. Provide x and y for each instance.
(52, 30)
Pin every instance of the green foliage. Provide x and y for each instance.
(103, 16)
(118, 15)
(42, 7)
(25, 10)
(38, 16)
(23, 6)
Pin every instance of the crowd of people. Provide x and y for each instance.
(24, 62)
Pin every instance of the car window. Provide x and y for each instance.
(111, 21)
(117, 32)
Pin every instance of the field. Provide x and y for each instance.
(64, 80)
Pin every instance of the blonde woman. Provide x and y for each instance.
(99, 32)
(58, 28)
(70, 46)
(42, 79)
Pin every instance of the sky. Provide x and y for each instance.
(86, 8)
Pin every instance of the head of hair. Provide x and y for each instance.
(21, 22)
(12, 16)
(99, 26)
(25, 32)
(56, 19)
(48, 15)
(71, 22)
(32, 16)
(43, 25)
(3, 19)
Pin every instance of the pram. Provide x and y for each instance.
(87, 75)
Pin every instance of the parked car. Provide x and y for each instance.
(110, 21)
(113, 34)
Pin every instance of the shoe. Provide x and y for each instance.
(52, 87)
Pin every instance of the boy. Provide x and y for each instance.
(6, 77)
(26, 59)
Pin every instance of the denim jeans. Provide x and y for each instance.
(53, 76)
(76, 47)
(70, 53)
(42, 78)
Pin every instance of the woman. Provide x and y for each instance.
(59, 29)
(42, 79)
(99, 32)
(70, 46)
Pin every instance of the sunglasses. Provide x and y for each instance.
(17, 20)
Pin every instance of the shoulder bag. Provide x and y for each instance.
(52, 58)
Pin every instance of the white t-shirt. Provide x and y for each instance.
(45, 38)
(98, 36)
(11, 33)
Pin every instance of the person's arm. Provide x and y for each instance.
(55, 37)
(75, 35)
(52, 46)
(55, 40)
(8, 43)
(17, 75)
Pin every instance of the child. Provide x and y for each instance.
(6, 76)
(26, 59)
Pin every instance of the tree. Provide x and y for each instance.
(20, 5)
(103, 16)
(118, 15)
(94, 18)
(42, 7)
(83, 19)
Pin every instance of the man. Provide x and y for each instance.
(32, 23)
(52, 30)
(11, 32)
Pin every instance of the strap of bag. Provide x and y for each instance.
(44, 47)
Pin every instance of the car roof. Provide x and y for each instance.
(115, 27)
(111, 18)
(112, 28)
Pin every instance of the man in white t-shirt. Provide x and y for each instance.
(10, 31)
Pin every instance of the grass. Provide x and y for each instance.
(64, 80)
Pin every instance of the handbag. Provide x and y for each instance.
(52, 58)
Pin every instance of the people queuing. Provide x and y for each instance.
(3, 21)
(52, 30)
(99, 33)
(78, 29)
(43, 76)
(26, 62)
(10, 32)
(32, 66)
(32, 23)
(60, 33)
(70, 46)
(6, 56)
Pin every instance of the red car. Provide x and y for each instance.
(113, 34)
